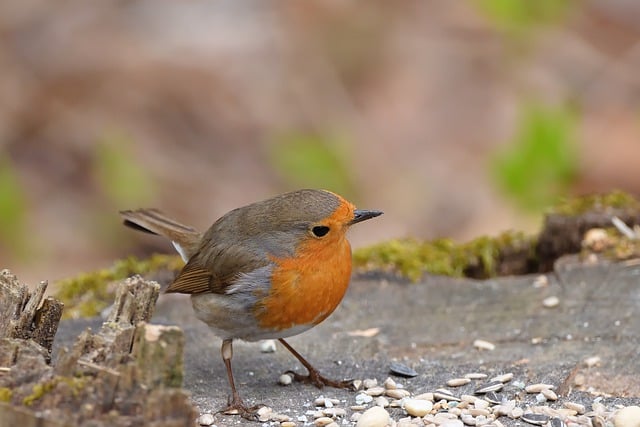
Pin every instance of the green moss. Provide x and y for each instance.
(5, 394)
(40, 390)
(89, 293)
(74, 384)
(412, 258)
(597, 202)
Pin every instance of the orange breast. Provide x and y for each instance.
(307, 288)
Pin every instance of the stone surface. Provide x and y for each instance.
(430, 327)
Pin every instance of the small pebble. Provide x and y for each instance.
(206, 420)
(374, 417)
(362, 398)
(417, 407)
(457, 382)
(627, 417)
(402, 370)
(540, 281)
(285, 379)
(484, 345)
(556, 422)
(381, 401)
(268, 346)
(369, 382)
(551, 302)
(592, 361)
(264, 413)
(322, 421)
(390, 384)
(334, 412)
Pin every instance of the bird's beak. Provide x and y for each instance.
(362, 215)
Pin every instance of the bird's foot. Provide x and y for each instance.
(236, 406)
(319, 381)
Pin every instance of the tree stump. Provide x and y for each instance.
(129, 373)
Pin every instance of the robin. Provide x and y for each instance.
(269, 270)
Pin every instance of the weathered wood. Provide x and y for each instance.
(129, 373)
(24, 315)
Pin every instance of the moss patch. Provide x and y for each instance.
(412, 258)
(5, 394)
(617, 200)
(88, 294)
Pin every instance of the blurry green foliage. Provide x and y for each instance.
(517, 17)
(13, 210)
(541, 162)
(123, 180)
(312, 161)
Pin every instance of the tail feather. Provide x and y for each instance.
(186, 239)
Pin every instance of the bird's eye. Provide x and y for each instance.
(320, 230)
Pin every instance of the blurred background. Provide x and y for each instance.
(457, 118)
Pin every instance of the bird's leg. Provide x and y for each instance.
(235, 404)
(314, 376)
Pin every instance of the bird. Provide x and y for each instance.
(268, 270)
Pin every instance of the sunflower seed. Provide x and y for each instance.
(535, 419)
(493, 397)
(490, 386)
(557, 422)
(402, 370)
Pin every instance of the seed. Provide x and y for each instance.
(549, 394)
(493, 397)
(402, 370)
(323, 421)
(397, 393)
(425, 396)
(287, 424)
(579, 408)
(516, 412)
(537, 388)
(475, 376)
(481, 404)
(442, 394)
(477, 412)
(504, 378)
(535, 419)
(457, 382)
(490, 386)
(381, 401)
(375, 391)
(369, 382)
(484, 345)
